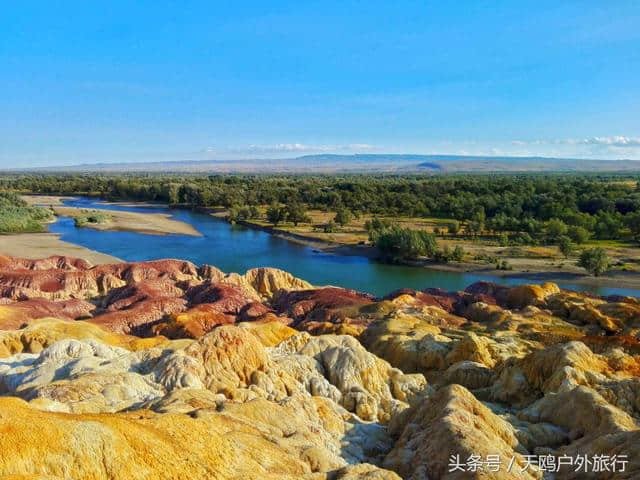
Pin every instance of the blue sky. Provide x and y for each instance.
(88, 81)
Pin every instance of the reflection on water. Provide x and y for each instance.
(234, 248)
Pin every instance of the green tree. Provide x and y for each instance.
(296, 213)
(594, 261)
(275, 214)
(172, 193)
(254, 212)
(477, 223)
(608, 226)
(234, 214)
(565, 245)
(578, 234)
(343, 216)
(632, 221)
(453, 227)
(555, 228)
(397, 244)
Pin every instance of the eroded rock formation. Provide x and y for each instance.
(169, 370)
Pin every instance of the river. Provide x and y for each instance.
(234, 248)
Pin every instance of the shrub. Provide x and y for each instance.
(594, 261)
(16, 216)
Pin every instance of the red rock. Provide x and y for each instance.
(71, 278)
(254, 311)
(141, 317)
(313, 309)
(54, 261)
(193, 323)
(211, 273)
(224, 298)
(18, 314)
(125, 297)
(489, 290)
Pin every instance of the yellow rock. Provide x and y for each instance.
(523, 295)
(268, 281)
(451, 422)
(269, 333)
(256, 440)
(45, 331)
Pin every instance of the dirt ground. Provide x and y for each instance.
(40, 245)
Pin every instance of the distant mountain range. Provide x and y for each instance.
(362, 163)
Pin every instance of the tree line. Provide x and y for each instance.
(520, 209)
(527, 208)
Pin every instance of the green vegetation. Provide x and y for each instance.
(237, 213)
(594, 260)
(296, 213)
(343, 216)
(397, 244)
(447, 255)
(90, 217)
(403, 213)
(578, 234)
(276, 214)
(16, 216)
(565, 246)
(633, 223)
(542, 207)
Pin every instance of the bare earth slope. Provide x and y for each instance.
(167, 369)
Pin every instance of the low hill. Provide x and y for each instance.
(369, 163)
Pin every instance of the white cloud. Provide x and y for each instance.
(610, 141)
(602, 147)
(614, 141)
(288, 148)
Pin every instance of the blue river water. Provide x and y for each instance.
(234, 248)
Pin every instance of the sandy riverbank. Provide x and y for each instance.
(40, 245)
(140, 222)
(58, 200)
(150, 223)
(45, 200)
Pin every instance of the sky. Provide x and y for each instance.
(120, 81)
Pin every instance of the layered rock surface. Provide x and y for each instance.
(166, 369)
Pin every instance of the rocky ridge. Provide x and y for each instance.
(165, 369)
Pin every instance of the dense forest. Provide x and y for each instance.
(523, 209)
